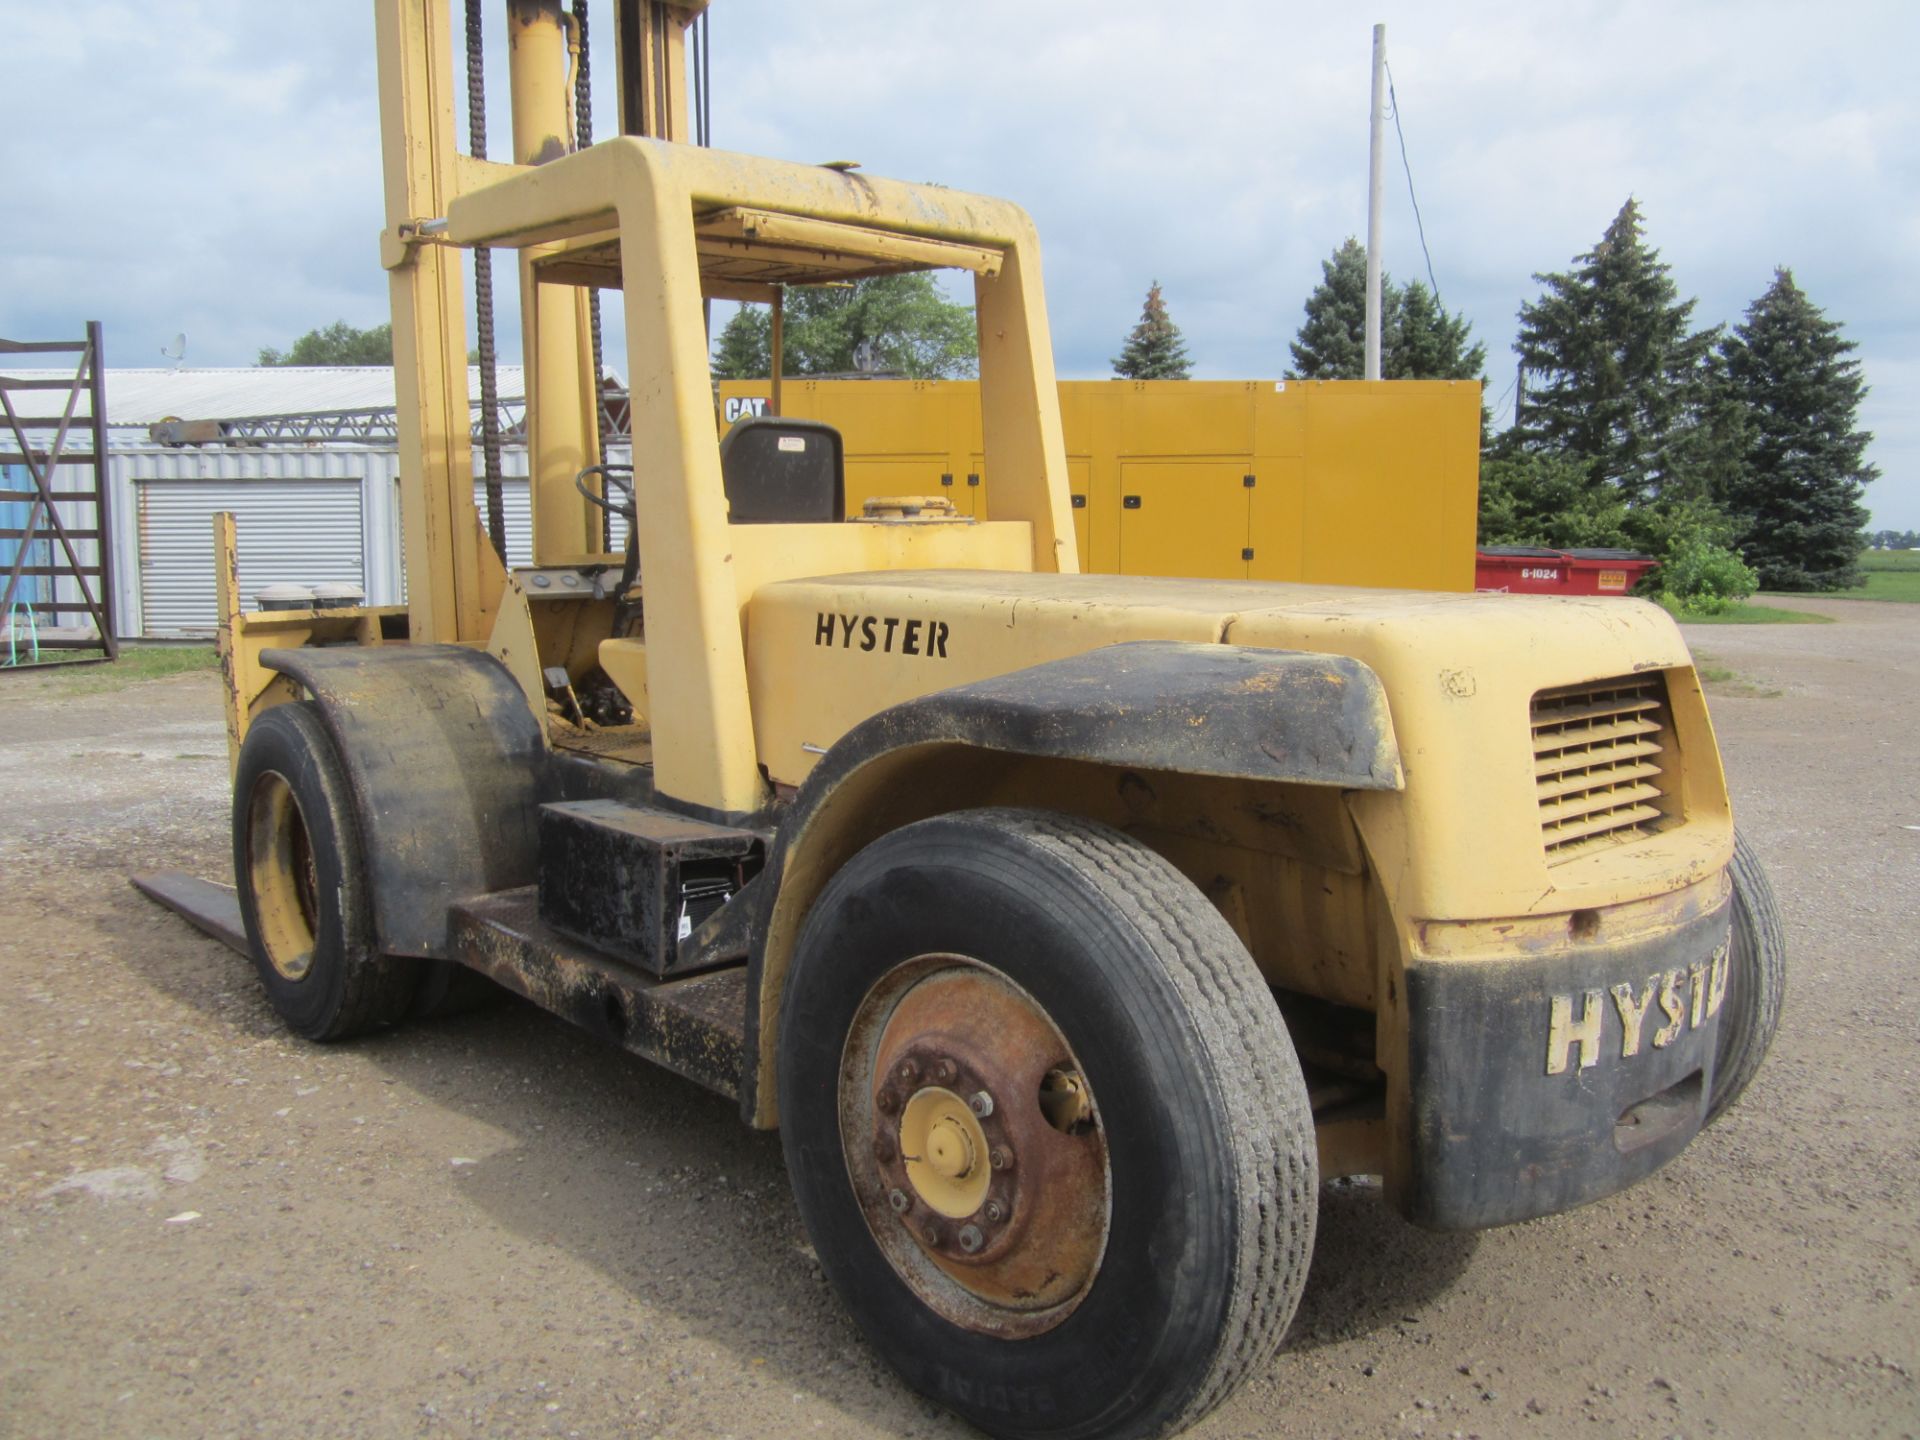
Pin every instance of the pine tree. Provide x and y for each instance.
(1796, 501)
(1331, 344)
(1613, 369)
(1154, 351)
(1421, 341)
(1546, 500)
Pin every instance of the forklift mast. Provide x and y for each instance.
(454, 578)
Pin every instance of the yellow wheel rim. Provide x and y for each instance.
(282, 876)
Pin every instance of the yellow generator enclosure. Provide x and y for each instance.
(1340, 482)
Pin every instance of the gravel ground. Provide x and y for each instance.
(495, 1226)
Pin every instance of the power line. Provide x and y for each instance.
(1393, 102)
(1501, 403)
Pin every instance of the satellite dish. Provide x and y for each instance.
(178, 354)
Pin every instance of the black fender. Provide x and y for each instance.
(1225, 710)
(1232, 711)
(448, 767)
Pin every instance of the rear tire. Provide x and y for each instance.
(1756, 980)
(1164, 1192)
(302, 883)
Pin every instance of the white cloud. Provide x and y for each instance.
(213, 165)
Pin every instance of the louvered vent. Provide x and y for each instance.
(1599, 753)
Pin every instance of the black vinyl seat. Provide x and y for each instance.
(783, 471)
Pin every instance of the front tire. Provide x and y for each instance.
(1756, 981)
(1045, 1126)
(302, 883)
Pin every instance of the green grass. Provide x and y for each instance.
(1748, 613)
(1724, 681)
(137, 663)
(1891, 575)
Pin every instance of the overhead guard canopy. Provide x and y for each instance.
(745, 250)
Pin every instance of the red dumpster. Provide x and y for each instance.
(1527, 570)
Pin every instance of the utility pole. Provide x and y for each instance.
(1376, 153)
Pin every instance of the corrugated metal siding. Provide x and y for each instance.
(302, 532)
(273, 494)
(263, 487)
(245, 462)
(517, 504)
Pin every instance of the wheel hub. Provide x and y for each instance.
(945, 1152)
(989, 1206)
(941, 1151)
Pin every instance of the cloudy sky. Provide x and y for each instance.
(212, 166)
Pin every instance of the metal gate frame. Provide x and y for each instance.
(43, 517)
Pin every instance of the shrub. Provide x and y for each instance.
(1701, 577)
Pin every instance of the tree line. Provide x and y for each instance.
(1733, 454)
(1720, 450)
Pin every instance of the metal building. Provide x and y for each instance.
(303, 458)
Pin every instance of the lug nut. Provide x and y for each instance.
(933, 1236)
(995, 1212)
(883, 1150)
(971, 1239)
(899, 1201)
(981, 1104)
(1000, 1158)
(887, 1101)
(945, 1072)
(908, 1072)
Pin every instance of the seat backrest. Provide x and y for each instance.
(779, 470)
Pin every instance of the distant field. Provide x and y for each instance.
(1891, 575)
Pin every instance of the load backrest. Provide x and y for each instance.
(779, 470)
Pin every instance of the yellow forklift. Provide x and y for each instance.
(1071, 929)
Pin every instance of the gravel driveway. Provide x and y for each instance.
(496, 1226)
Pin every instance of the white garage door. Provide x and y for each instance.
(300, 532)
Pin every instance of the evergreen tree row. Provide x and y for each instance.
(1633, 427)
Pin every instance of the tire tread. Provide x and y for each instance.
(1756, 919)
(1274, 1150)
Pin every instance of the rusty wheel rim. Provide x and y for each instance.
(974, 1146)
(282, 876)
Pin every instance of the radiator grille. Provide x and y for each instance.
(1599, 753)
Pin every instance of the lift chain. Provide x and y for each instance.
(483, 293)
(582, 138)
